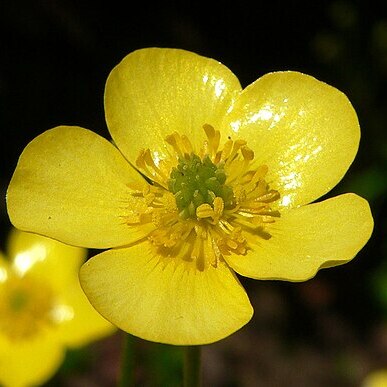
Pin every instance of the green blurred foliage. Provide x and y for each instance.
(163, 365)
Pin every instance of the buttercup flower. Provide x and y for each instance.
(43, 309)
(203, 180)
(376, 378)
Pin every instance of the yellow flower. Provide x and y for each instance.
(229, 175)
(376, 378)
(43, 309)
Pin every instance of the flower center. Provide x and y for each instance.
(204, 203)
(25, 308)
(195, 181)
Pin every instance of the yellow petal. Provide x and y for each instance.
(376, 378)
(29, 363)
(48, 260)
(154, 92)
(153, 298)
(80, 323)
(307, 239)
(72, 185)
(304, 130)
(57, 265)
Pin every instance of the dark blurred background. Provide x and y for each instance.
(55, 56)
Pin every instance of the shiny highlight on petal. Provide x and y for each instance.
(304, 130)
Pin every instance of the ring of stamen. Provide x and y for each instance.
(206, 201)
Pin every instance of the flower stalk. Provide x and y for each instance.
(127, 378)
(192, 366)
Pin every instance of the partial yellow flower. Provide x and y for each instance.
(43, 310)
(376, 378)
(203, 179)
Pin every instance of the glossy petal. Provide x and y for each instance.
(29, 363)
(376, 378)
(154, 92)
(72, 185)
(307, 239)
(46, 259)
(152, 297)
(304, 130)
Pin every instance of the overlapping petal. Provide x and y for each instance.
(308, 238)
(159, 299)
(154, 92)
(73, 185)
(304, 130)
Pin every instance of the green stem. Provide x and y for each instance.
(127, 362)
(192, 358)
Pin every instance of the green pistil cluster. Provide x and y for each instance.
(195, 181)
(18, 300)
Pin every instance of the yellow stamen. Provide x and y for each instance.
(226, 150)
(247, 153)
(207, 201)
(187, 144)
(236, 146)
(180, 144)
(213, 137)
(145, 162)
(204, 211)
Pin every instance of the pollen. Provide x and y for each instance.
(205, 203)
